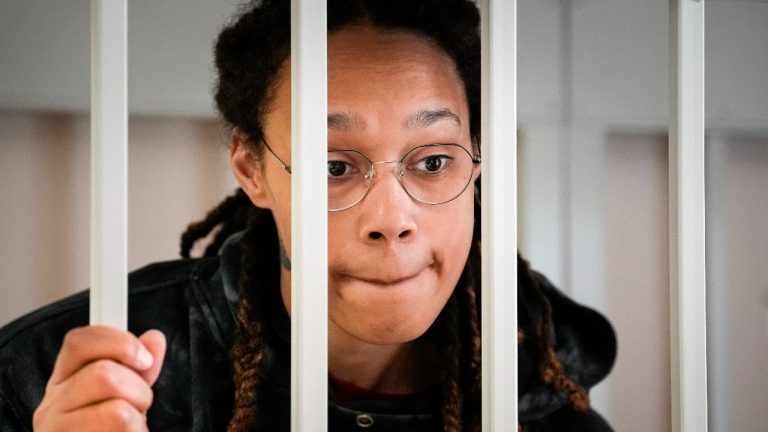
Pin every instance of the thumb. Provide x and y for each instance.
(154, 341)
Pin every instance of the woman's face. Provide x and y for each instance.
(392, 261)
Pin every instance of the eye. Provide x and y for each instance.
(433, 163)
(338, 168)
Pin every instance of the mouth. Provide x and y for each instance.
(388, 281)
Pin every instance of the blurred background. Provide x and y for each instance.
(593, 103)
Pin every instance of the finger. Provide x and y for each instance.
(86, 344)
(154, 341)
(100, 381)
(113, 415)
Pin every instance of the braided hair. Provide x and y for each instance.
(249, 53)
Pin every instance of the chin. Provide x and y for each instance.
(393, 314)
(390, 333)
(388, 326)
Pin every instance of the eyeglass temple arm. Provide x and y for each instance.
(280, 161)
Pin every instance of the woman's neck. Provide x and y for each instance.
(395, 369)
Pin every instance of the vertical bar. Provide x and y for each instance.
(687, 228)
(109, 162)
(499, 214)
(309, 302)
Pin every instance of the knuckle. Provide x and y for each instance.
(119, 414)
(39, 416)
(106, 374)
(145, 395)
(149, 397)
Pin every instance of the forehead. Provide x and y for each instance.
(390, 49)
(384, 86)
(371, 67)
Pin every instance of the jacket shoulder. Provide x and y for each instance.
(73, 310)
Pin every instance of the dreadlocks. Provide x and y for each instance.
(249, 53)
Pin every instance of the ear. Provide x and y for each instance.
(246, 166)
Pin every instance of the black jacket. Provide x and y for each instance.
(192, 303)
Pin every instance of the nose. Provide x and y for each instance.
(387, 210)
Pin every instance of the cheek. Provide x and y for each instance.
(451, 236)
(449, 233)
(450, 229)
(341, 237)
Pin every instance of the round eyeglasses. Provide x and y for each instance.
(432, 174)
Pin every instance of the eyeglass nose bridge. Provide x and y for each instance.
(399, 174)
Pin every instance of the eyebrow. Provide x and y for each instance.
(352, 122)
(426, 118)
(345, 122)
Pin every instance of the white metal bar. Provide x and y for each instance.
(499, 214)
(687, 225)
(309, 302)
(109, 163)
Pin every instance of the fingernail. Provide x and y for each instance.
(144, 358)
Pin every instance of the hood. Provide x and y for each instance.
(585, 343)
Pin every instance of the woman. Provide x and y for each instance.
(403, 276)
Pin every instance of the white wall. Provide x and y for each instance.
(178, 169)
(45, 54)
(738, 281)
(637, 280)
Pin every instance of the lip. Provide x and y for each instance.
(388, 281)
